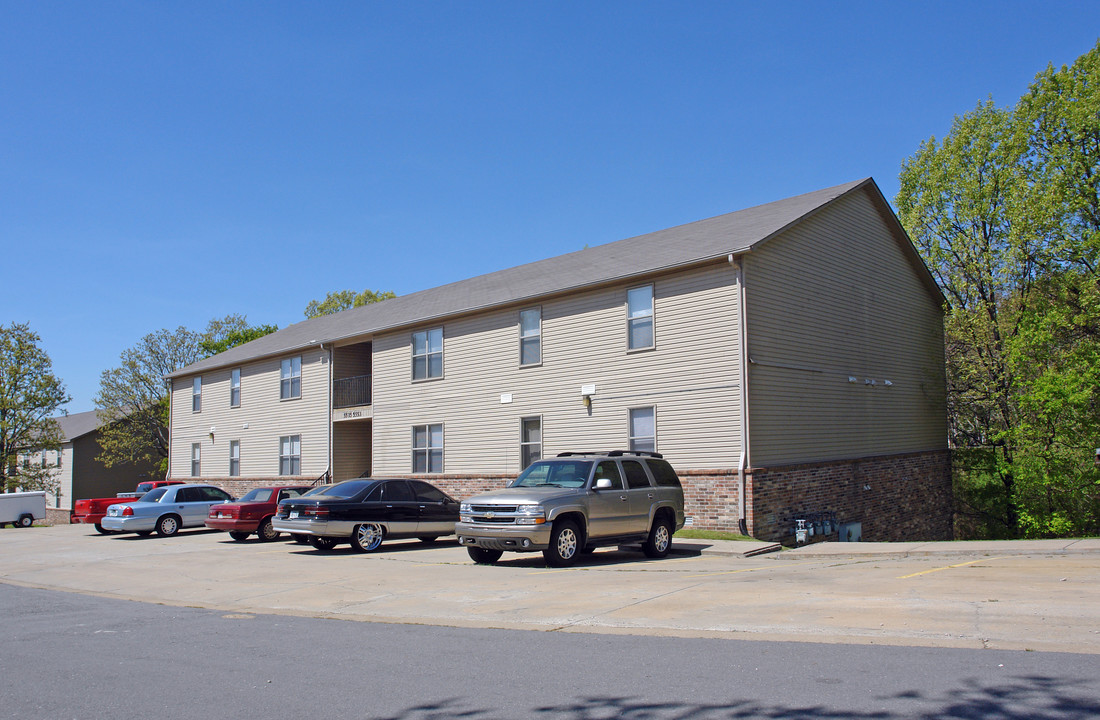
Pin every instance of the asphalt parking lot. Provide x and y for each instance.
(1033, 595)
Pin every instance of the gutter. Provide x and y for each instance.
(743, 462)
(328, 471)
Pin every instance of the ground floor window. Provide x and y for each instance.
(427, 454)
(234, 458)
(290, 455)
(196, 456)
(643, 429)
(530, 443)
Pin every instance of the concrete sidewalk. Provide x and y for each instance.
(747, 548)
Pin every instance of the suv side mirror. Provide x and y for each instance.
(603, 484)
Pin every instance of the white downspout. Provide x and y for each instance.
(743, 463)
(330, 428)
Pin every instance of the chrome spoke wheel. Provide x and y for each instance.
(368, 537)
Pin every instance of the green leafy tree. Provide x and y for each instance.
(229, 332)
(132, 402)
(334, 302)
(30, 395)
(1004, 211)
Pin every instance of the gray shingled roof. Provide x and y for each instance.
(77, 424)
(680, 246)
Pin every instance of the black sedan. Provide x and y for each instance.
(367, 511)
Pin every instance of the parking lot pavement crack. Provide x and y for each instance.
(642, 601)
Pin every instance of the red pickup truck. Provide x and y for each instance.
(92, 511)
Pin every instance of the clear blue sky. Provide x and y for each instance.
(164, 163)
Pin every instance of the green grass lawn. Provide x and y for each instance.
(711, 535)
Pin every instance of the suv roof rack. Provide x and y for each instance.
(615, 453)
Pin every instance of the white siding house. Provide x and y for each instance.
(787, 359)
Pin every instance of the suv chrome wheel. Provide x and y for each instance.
(659, 541)
(565, 544)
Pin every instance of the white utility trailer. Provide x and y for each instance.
(21, 509)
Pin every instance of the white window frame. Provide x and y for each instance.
(196, 394)
(196, 459)
(428, 354)
(528, 337)
(288, 373)
(634, 440)
(429, 450)
(234, 458)
(525, 445)
(637, 318)
(290, 443)
(235, 388)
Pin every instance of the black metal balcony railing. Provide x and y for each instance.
(350, 392)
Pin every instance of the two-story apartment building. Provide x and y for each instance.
(787, 359)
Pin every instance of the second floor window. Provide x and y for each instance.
(290, 378)
(234, 458)
(290, 455)
(235, 388)
(639, 312)
(196, 394)
(530, 337)
(427, 354)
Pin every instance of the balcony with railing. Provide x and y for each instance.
(351, 392)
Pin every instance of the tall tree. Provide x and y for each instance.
(1058, 353)
(1005, 212)
(334, 302)
(229, 332)
(30, 395)
(132, 402)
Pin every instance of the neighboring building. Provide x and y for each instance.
(817, 305)
(77, 467)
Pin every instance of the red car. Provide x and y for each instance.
(253, 512)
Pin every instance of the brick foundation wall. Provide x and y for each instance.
(457, 486)
(238, 486)
(711, 499)
(895, 498)
(56, 516)
(909, 496)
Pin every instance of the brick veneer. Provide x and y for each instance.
(907, 497)
(897, 497)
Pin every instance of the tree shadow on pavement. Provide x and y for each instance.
(1017, 698)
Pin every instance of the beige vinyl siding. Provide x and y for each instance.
(351, 449)
(837, 297)
(351, 361)
(268, 418)
(65, 477)
(691, 378)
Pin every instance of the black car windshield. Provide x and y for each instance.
(257, 495)
(154, 495)
(345, 489)
(555, 473)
